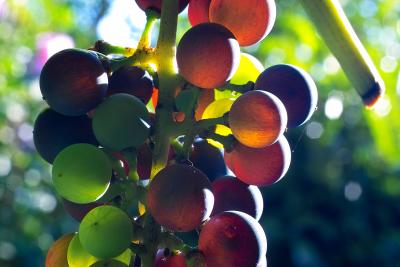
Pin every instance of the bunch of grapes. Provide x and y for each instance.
(137, 165)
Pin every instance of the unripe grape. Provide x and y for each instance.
(208, 55)
(257, 119)
(121, 121)
(250, 21)
(260, 166)
(105, 232)
(73, 81)
(81, 173)
(180, 198)
(232, 238)
(232, 194)
(53, 132)
(294, 87)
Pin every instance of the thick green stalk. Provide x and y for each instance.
(338, 34)
(168, 82)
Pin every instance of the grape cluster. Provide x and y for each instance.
(228, 121)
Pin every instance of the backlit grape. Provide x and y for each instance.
(180, 198)
(57, 254)
(208, 55)
(257, 119)
(198, 11)
(260, 166)
(81, 173)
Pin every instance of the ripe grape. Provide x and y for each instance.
(78, 257)
(78, 211)
(215, 110)
(208, 159)
(250, 21)
(257, 119)
(73, 82)
(232, 194)
(131, 80)
(166, 259)
(156, 4)
(208, 55)
(260, 166)
(180, 198)
(105, 232)
(53, 132)
(121, 121)
(232, 238)
(57, 254)
(81, 173)
(198, 11)
(294, 87)
(206, 98)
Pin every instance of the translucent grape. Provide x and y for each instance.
(249, 69)
(81, 173)
(57, 254)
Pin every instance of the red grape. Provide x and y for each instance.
(198, 11)
(73, 81)
(131, 80)
(257, 119)
(232, 194)
(165, 258)
(260, 166)
(232, 238)
(208, 55)
(250, 21)
(57, 254)
(180, 198)
(294, 87)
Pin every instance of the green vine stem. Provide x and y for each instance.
(106, 48)
(338, 34)
(243, 88)
(145, 39)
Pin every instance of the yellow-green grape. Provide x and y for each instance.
(78, 257)
(249, 70)
(109, 263)
(57, 254)
(81, 173)
(106, 232)
(217, 109)
(121, 121)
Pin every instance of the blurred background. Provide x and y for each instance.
(339, 204)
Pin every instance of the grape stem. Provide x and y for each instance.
(145, 39)
(338, 34)
(106, 48)
(243, 88)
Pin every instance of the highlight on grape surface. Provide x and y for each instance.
(141, 153)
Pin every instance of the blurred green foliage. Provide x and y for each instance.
(339, 205)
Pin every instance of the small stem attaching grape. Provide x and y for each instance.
(145, 39)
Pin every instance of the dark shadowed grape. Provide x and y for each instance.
(53, 132)
(166, 258)
(260, 166)
(180, 198)
(73, 81)
(257, 119)
(232, 238)
(208, 159)
(156, 4)
(78, 211)
(131, 80)
(294, 87)
(198, 11)
(232, 194)
(121, 121)
(250, 21)
(57, 253)
(208, 55)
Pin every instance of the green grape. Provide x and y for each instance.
(105, 232)
(121, 121)
(217, 109)
(109, 263)
(249, 69)
(78, 257)
(81, 173)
